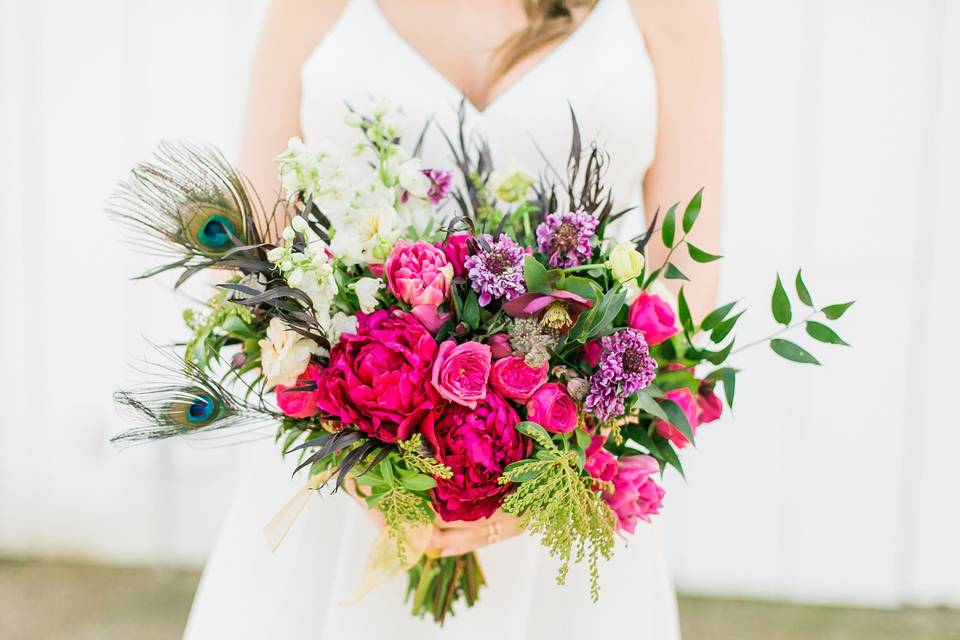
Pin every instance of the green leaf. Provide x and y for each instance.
(722, 330)
(519, 474)
(692, 211)
(673, 273)
(780, 304)
(834, 311)
(537, 433)
(583, 287)
(684, 310)
(729, 379)
(471, 310)
(419, 482)
(718, 357)
(602, 316)
(670, 457)
(802, 292)
(583, 438)
(792, 351)
(648, 404)
(699, 255)
(536, 275)
(823, 333)
(677, 417)
(669, 230)
(716, 316)
(386, 470)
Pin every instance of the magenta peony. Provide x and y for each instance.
(688, 404)
(636, 496)
(378, 379)
(553, 409)
(477, 445)
(653, 317)
(601, 464)
(419, 273)
(461, 371)
(456, 247)
(300, 404)
(513, 378)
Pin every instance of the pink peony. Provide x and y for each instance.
(300, 404)
(654, 317)
(513, 378)
(457, 247)
(419, 273)
(636, 495)
(378, 379)
(500, 346)
(553, 409)
(688, 404)
(601, 464)
(477, 445)
(461, 371)
(709, 405)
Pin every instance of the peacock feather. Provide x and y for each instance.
(184, 400)
(189, 203)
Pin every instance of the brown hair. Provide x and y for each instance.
(547, 21)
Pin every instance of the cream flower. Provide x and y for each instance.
(512, 183)
(625, 262)
(366, 289)
(340, 324)
(284, 354)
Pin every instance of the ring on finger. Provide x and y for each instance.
(493, 532)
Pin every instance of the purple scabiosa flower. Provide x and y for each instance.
(497, 271)
(566, 238)
(625, 367)
(440, 182)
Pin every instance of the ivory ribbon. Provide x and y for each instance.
(383, 562)
(278, 527)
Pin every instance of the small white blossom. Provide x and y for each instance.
(340, 324)
(366, 290)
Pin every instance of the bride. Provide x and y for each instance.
(644, 78)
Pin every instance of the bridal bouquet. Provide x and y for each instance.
(442, 344)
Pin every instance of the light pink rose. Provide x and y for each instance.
(636, 496)
(419, 273)
(429, 317)
(461, 371)
(709, 406)
(500, 346)
(515, 379)
(688, 404)
(553, 409)
(601, 464)
(652, 316)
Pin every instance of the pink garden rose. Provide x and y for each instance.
(477, 444)
(709, 405)
(456, 247)
(636, 496)
(553, 409)
(591, 353)
(654, 317)
(378, 379)
(300, 404)
(419, 273)
(688, 404)
(500, 346)
(513, 378)
(461, 371)
(601, 464)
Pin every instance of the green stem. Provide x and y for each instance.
(585, 267)
(775, 333)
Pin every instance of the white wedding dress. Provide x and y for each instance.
(603, 71)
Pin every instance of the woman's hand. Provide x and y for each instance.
(460, 537)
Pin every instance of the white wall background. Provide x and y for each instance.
(843, 146)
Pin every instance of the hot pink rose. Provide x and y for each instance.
(553, 409)
(654, 317)
(601, 464)
(300, 404)
(500, 346)
(477, 445)
(688, 404)
(591, 353)
(513, 378)
(419, 273)
(636, 496)
(709, 405)
(461, 371)
(456, 247)
(378, 379)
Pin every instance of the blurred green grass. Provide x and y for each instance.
(47, 600)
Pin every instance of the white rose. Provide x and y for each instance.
(284, 354)
(366, 289)
(625, 262)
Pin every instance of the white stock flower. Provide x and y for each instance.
(412, 180)
(416, 213)
(340, 324)
(346, 247)
(366, 289)
(284, 354)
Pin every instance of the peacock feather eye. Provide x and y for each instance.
(196, 408)
(211, 228)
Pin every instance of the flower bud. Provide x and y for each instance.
(625, 262)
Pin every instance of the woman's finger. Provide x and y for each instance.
(455, 542)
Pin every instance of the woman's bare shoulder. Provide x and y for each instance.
(293, 28)
(677, 23)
